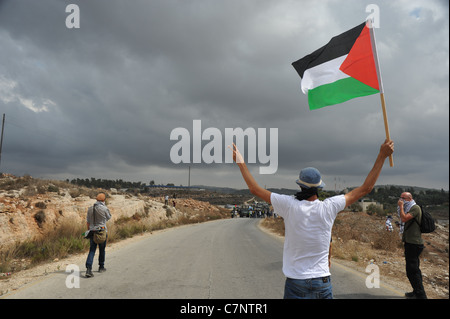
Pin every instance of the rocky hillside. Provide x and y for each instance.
(29, 207)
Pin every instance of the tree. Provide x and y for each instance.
(355, 207)
(374, 209)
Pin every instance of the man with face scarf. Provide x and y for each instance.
(412, 238)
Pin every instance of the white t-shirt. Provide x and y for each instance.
(307, 234)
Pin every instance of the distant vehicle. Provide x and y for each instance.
(259, 210)
(244, 212)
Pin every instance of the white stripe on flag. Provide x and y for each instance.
(324, 73)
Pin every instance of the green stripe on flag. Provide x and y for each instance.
(338, 92)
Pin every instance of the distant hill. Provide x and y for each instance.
(229, 190)
(436, 201)
(415, 188)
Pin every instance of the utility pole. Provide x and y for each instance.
(1, 140)
(189, 178)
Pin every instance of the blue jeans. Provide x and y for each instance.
(92, 249)
(314, 288)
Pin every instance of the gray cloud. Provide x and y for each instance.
(102, 100)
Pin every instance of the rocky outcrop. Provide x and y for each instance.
(23, 217)
(31, 207)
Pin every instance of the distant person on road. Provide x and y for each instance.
(166, 200)
(102, 215)
(308, 223)
(410, 212)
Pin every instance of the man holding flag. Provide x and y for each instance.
(308, 223)
(343, 69)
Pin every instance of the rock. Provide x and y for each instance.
(61, 207)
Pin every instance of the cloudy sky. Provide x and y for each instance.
(102, 100)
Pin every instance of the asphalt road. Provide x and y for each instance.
(225, 259)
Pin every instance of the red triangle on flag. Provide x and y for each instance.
(360, 63)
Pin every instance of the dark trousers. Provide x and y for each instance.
(412, 253)
(101, 251)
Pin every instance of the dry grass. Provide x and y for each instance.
(57, 243)
(276, 225)
(353, 235)
(361, 239)
(66, 239)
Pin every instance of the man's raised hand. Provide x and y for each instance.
(237, 157)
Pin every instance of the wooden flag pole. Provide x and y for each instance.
(386, 126)
(380, 84)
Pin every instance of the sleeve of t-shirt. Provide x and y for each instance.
(415, 212)
(280, 204)
(335, 204)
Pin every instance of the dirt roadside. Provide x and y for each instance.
(28, 276)
(360, 240)
(392, 272)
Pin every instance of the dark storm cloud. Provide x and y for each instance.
(103, 99)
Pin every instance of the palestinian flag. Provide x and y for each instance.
(339, 71)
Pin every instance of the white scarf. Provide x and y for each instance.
(406, 207)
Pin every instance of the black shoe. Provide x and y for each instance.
(413, 295)
(101, 269)
(89, 273)
(410, 294)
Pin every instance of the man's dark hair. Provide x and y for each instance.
(306, 193)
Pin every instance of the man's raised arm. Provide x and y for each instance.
(386, 149)
(252, 185)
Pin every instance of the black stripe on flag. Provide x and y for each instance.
(338, 46)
